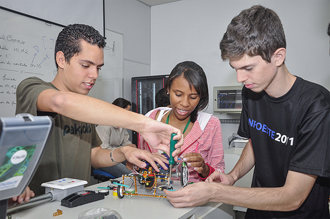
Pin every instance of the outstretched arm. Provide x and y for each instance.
(286, 198)
(88, 109)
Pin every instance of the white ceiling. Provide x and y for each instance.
(156, 2)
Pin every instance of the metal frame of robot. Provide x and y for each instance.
(145, 176)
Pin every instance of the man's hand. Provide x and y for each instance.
(196, 161)
(158, 136)
(132, 145)
(135, 156)
(223, 178)
(25, 196)
(190, 196)
(131, 166)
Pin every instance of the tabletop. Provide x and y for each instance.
(127, 207)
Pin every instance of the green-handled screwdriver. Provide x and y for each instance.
(171, 160)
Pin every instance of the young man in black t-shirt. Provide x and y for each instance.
(287, 121)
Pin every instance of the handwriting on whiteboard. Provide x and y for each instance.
(20, 59)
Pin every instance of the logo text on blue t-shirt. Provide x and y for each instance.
(284, 139)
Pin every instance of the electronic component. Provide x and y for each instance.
(58, 212)
(81, 198)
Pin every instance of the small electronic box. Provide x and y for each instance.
(227, 99)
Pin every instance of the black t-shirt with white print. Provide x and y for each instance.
(291, 132)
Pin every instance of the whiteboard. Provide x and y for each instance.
(26, 50)
(109, 84)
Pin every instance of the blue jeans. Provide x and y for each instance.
(117, 170)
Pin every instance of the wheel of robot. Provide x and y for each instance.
(140, 180)
(120, 191)
(184, 174)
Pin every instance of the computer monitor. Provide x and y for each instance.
(22, 141)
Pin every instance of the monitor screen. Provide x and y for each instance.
(22, 141)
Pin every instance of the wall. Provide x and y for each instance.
(61, 11)
(132, 19)
(192, 30)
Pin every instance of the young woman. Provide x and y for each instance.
(188, 92)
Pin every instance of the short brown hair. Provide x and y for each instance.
(255, 31)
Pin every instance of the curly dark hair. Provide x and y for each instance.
(68, 40)
(196, 78)
(255, 31)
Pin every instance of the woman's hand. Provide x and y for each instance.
(196, 161)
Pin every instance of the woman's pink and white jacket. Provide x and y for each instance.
(204, 138)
